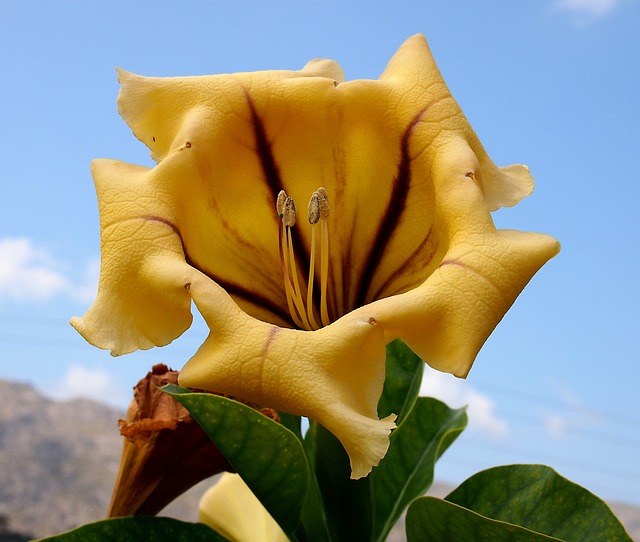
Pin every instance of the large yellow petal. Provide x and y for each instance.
(334, 375)
(230, 508)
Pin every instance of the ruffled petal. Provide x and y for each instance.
(334, 375)
(155, 108)
(414, 71)
(141, 299)
(447, 319)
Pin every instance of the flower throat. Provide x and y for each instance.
(301, 309)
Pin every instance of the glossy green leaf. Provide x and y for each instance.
(403, 377)
(347, 503)
(134, 529)
(314, 526)
(537, 497)
(406, 472)
(314, 523)
(268, 457)
(429, 519)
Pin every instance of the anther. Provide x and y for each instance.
(282, 197)
(323, 201)
(323, 192)
(314, 208)
(289, 213)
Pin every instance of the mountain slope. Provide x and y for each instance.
(58, 462)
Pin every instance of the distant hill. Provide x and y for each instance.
(59, 459)
(58, 463)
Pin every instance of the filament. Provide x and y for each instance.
(324, 272)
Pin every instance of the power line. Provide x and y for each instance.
(588, 432)
(573, 462)
(527, 395)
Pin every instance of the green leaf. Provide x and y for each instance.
(314, 525)
(429, 518)
(268, 457)
(538, 498)
(406, 472)
(347, 503)
(402, 381)
(292, 423)
(134, 529)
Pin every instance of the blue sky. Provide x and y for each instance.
(551, 83)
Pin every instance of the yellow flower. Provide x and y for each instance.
(234, 511)
(399, 240)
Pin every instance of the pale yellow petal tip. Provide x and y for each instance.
(324, 67)
(412, 57)
(123, 75)
(100, 340)
(119, 339)
(506, 186)
(230, 508)
(368, 444)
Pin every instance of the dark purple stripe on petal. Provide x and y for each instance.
(272, 176)
(430, 244)
(166, 222)
(234, 290)
(237, 291)
(263, 150)
(390, 220)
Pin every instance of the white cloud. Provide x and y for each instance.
(30, 273)
(570, 415)
(457, 393)
(96, 384)
(595, 8)
(27, 272)
(555, 425)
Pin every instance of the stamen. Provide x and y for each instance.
(282, 197)
(288, 221)
(288, 288)
(282, 240)
(323, 201)
(318, 210)
(314, 216)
